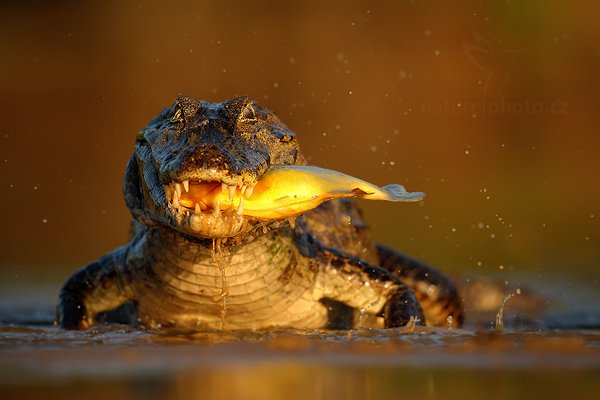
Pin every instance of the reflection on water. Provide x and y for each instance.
(291, 381)
(124, 362)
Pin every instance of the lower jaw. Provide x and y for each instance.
(226, 224)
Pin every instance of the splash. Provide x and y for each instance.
(450, 321)
(411, 325)
(499, 328)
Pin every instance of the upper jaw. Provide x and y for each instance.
(211, 175)
(211, 163)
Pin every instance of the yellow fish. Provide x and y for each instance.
(285, 191)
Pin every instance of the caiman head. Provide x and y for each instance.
(196, 162)
(217, 170)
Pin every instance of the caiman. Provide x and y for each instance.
(232, 230)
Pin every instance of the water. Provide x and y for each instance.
(549, 348)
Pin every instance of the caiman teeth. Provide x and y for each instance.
(190, 198)
(167, 190)
(240, 209)
(176, 200)
(248, 191)
(217, 208)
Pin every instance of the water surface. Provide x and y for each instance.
(550, 348)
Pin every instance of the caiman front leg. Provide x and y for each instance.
(366, 287)
(101, 286)
(360, 285)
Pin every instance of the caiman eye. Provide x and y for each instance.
(284, 136)
(177, 116)
(248, 113)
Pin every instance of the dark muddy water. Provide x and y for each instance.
(550, 348)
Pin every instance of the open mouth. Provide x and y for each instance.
(283, 191)
(194, 197)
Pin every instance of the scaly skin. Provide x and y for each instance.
(215, 269)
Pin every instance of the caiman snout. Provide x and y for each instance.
(220, 163)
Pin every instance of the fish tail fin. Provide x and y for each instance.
(396, 192)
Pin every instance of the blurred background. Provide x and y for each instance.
(489, 107)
